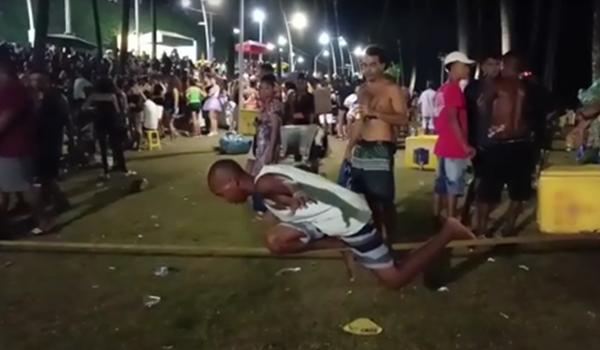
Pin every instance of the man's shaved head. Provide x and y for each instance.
(224, 178)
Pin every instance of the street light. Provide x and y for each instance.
(281, 40)
(300, 60)
(187, 4)
(259, 17)
(270, 46)
(342, 41)
(324, 53)
(359, 51)
(299, 21)
(236, 31)
(324, 39)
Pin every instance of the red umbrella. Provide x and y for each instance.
(252, 48)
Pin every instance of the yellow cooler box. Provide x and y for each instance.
(569, 200)
(418, 153)
(246, 122)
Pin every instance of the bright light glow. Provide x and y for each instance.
(186, 3)
(281, 40)
(299, 21)
(326, 53)
(359, 51)
(324, 39)
(300, 59)
(214, 2)
(342, 41)
(259, 16)
(270, 46)
(236, 31)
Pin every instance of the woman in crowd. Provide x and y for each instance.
(172, 97)
(136, 109)
(213, 104)
(194, 96)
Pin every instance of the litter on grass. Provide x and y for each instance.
(363, 326)
(288, 270)
(151, 300)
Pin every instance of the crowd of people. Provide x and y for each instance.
(495, 124)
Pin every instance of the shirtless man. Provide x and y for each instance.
(372, 142)
(314, 213)
(509, 150)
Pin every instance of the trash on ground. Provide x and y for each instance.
(349, 292)
(162, 271)
(154, 217)
(167, 347)
(151, 300)
(591, 314)
(140, 236)
(288, 270)
(112, 268)
(8, 264)
(363, 326)
(186, 199)
(504, 315)
(491, 260)
(95, 286)
(157, 225)
(524, 268)
(443, 289)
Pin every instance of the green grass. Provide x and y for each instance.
(56, 301)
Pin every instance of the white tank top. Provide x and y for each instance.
(337, 212)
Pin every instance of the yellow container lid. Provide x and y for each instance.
(572, 171)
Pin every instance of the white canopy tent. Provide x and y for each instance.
(166, 42)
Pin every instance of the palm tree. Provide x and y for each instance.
(463, 26)
(538, 6)
(506, 22)
(97, 29)
(124, 35)
(41, 33)
(596, 42)
(551, 46)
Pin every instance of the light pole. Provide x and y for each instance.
(138, 48)
(358, 52)
(281, 42)
(187, 4)
(342, 43)
(298, 21)
(324, 53)
(259, 16)
(31, 31)
(68, 29)
(324, 40)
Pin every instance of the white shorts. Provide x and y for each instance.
(327, 118)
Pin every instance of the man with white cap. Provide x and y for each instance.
(452, 147)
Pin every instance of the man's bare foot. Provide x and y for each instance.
(457, 230)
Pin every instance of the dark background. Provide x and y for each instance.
(421, 30)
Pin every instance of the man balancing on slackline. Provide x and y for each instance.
(315, 213)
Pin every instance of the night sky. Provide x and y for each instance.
(423, 29)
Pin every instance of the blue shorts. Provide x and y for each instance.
(367, 245)
(450, 177)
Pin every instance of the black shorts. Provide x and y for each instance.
(510, 164)
(372, 171)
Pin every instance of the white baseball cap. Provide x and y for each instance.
(457, 56)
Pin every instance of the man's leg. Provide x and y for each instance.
(298, 238)
(440, 190)
(401, 274)
(455, 176)
(519, 184)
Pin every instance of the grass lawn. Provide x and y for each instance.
(55, 301)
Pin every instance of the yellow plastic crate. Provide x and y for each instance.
(569, 200)
(246, 122)
(420, 148)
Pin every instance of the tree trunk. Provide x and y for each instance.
(535, 31)
(507, 22)
(97, 29)
(124, 36)
(552, 45)
(463, 25)
(154, 27)
(596, 42)
(41, 33)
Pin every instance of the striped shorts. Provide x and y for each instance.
(367, 245)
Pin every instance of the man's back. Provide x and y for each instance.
(427, 102)
(336, 211)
